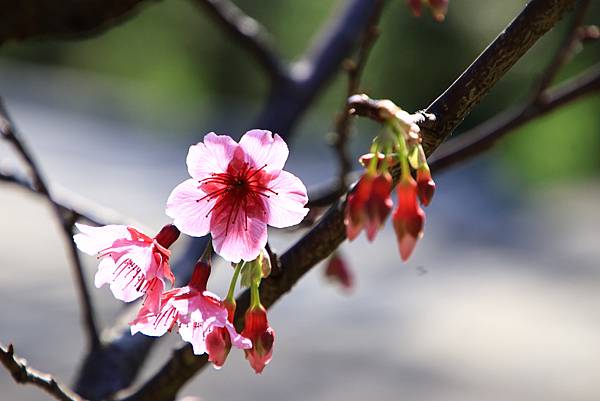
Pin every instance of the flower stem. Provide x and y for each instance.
(234, 279)
(254, 294)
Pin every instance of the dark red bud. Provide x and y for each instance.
(426, 186)
(200, 276)
(337, 270)
(167, 235)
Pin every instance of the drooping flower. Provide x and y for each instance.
(408, 218)
(337, 270)
(218, 342)
(368, 205)
(257, 329)
(235, 191)
(196, 311)
(132, 263)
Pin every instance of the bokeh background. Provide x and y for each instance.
(500, 300)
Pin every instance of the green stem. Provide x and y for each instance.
(254, 294)
(234, 279)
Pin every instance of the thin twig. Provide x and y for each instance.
(23, 374)
(71, 204)
(354, 69)
(483, 137)
(566, 50)
(66, 220)
(247, 32)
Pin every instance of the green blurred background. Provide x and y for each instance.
(172, 64)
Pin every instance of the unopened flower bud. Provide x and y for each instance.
(337, 270)
(167, 235)
(426, 185)
(257, 329)
(408, 218)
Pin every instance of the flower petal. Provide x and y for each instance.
(264, 148)
(92, 240)
(285, 207)
(212, 156)
(189, 211)
(237, 339)
(243, 238)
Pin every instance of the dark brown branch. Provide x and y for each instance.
(23, 374)
(26, 19)
(485, 136)
(535, 20)
(538, 17)
(247, 32)
(566, 50)
(66, 221)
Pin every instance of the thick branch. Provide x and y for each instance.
(247, 32)
(466, 92)
(25, 19)
(535, 20)
(9, 133)
(25, 375)
(483, 137)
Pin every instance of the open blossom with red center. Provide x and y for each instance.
(237, 189)
(195, 311)
(368, 205)
(257, 329)
(132, 263)
(408, 218)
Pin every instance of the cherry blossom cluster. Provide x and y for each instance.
(438, 8)
(235, 191)
(370, 203)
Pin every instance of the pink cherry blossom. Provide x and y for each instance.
(194, 310)
(132, 263)
(237, 189)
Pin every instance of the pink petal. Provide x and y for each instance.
(212, 156)
(152, 324)
(194, 334)
(153, 294)
(237, 339)
(190, 213)
(243, 239)
(264, 148)
(92, 240)
(286, 207)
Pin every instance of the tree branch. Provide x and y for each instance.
(290, 97)
(247, 32)
(23, 374)
(7, 131)
(355, 69)
(535, 20)
(26, 19)
(485, 136)
(467, 91)
(565, 51)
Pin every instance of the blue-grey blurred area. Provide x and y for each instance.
(500, 300)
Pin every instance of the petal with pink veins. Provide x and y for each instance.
(189, 211)
(212, 156)
(264, 148)
(243, 238)
(285, 207)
